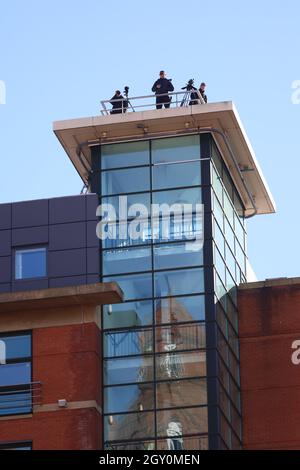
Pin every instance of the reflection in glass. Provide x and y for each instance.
(177, 255)
(125, 181)
(180, 365)
(179, 282)
(174, 423)
(126, 260)
(128, 342)
(174, 149)
(178, 196)
(134, 286)
(180, 309)
(187, 443)
(124, 154)
(176, 175)
(127, 314)
(136, 397)
(179, 393)
(138, 445)
(180, 337)
(129, 426)
(128, 370)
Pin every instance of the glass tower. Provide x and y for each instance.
(170, 351)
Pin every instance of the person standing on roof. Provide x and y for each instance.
(161, 88)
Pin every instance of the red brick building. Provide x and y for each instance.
(269, 328)
(65, 389)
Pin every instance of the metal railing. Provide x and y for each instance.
(178, 99)
(17, 399)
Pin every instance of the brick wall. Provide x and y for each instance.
(269, 324)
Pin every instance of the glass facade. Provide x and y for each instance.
(171, 363)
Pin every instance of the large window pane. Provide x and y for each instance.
(16, 347)
(15, 394)
(184, 443)
(179, 282)
(124, 154)
(118, 201)
(30, 263)
(128, 342)
(180, 337)
(177, 255)
(174, 423)
(180, 309)
(181, 393)
(129, 426)
(125, 181)
(128, 370)
(180, 365)
(126, 260)
(178, 196)
(136, 397)
(173, 175)
(135, 286)
(128, 314)
(176, 149)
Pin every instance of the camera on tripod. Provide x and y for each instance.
(189, 86)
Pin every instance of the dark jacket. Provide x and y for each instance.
(203, 95)
(118, 104)
(165, 86)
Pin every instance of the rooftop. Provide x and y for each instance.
(222, 119)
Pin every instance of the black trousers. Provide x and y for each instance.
(162, 101)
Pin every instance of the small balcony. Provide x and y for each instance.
(20, 398)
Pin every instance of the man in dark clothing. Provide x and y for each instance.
(202, 91)
(118, 106)
(162, 86)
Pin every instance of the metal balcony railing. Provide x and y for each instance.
(147, 102)
(17, 399)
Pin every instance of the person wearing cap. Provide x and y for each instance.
(202, 91)
(162, 86)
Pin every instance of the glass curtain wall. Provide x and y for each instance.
(156, 383)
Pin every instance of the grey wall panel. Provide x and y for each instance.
(92, 202)
(5, 216)
(67, 281)
(5, 269)
(30, 236)
(5, 242)
(67, 263)
(93, 260)
(30, 284)
(67, 209)
(67, 236)
(30, 213)
(92, 239)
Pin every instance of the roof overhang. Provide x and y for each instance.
(78, 135)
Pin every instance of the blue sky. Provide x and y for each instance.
(58, 59)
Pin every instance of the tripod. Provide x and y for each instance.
(189, 90)
(128, 103)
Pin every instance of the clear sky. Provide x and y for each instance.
(58, 59)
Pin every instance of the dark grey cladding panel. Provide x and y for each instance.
(30, 236)
(30, 213)
(92, 202)
(93, 260)
(67, 209)
(92, 278)
(29, 284)
(92, 239)
(5, 288)
(5, 216)
(67, 281)
(67, 263)
(5, 269)
(67, 236)
(5, 242)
